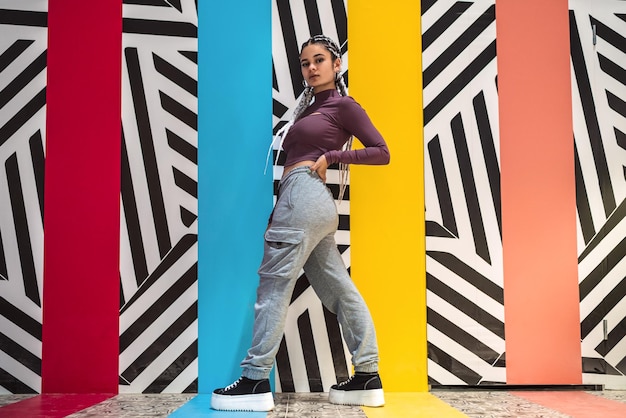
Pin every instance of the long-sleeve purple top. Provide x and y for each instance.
(324, 128)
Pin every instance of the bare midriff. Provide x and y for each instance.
(286, 170)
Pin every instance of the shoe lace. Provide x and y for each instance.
(232, 385)
(345, 382)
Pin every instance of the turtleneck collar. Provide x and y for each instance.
(326, 94)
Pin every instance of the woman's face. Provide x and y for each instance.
(318, 68)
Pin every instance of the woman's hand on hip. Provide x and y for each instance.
(320, 167)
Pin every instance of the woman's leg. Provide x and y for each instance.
(329, 278)
(332, 283)
(282, 261)
(304, 214)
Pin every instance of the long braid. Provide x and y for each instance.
(344, 169)
(341, 85)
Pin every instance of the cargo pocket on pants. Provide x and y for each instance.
(282, 252)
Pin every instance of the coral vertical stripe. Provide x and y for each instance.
(538, 193)
(81, 198)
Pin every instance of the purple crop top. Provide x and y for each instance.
(324, 128)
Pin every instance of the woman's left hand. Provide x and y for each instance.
(320, 167)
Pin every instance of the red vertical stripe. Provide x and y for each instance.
(538, 193)
(82, 187)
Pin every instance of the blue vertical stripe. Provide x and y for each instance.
(234, 196)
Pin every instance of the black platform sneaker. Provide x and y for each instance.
(363, 389)
(244, 395)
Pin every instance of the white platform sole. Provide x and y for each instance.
(259, 402)
(371, 397)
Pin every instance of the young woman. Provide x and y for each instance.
(301, 236)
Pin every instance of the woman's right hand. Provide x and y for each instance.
(320, 167)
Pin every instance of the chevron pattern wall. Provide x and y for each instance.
(463, 221)
(465, 300)
(158, 268)
(598, 53)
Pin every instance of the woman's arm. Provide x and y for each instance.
(354, 119)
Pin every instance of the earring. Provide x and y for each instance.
(305, 84)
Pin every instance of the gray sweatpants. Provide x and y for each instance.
(301, 236)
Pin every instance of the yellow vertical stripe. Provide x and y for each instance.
(387, 203)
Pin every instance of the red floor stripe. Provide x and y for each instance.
(577, 404)
(52, 406)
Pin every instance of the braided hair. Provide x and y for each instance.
(307, 98)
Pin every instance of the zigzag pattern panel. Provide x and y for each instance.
(465, 306)
(312, 356)
(158, 256)
(23, 47)
(598, 57)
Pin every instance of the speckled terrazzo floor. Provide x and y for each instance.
(484, 404)
(503, 404)
(495, 404)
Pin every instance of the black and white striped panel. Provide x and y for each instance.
(598, 54)
(23, 47)
(158, 326)
(465, 300)
(312, 355)
(158, 256)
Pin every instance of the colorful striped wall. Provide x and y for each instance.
(488, 249)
